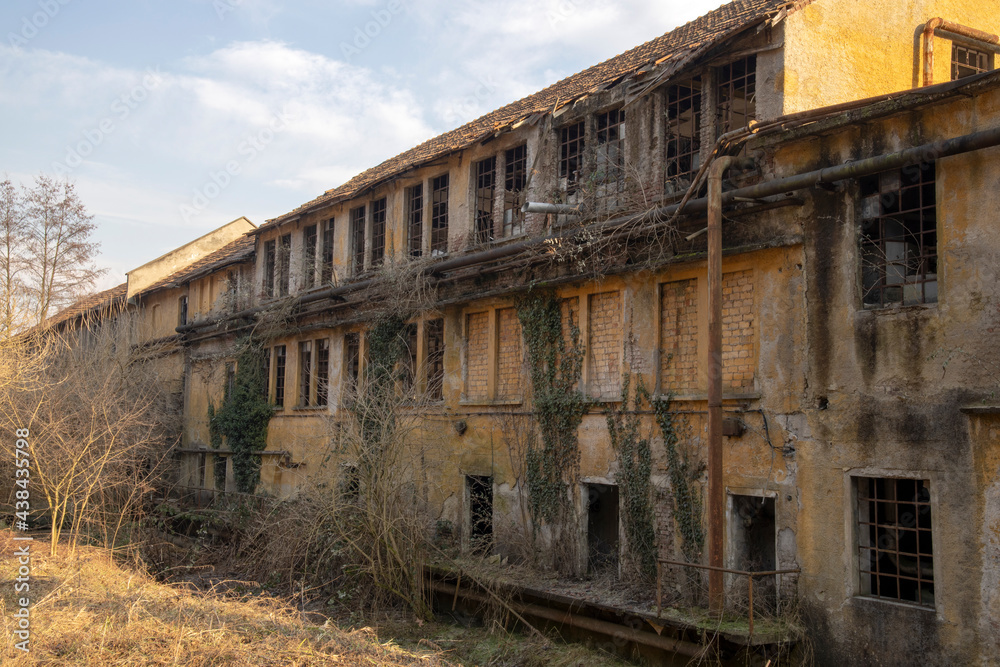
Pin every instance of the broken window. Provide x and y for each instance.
(895, 544)
(435, 359)
(737, 104)
(486, 180)
(309, 256)
(352, 357)
(480, 513)
(571, 155)
(966, 61)
(358, 239)
(326, 275)
(898, 237)
(602, 527)
(378, 232)
(270, 264)
(305, 373)
(753, 534)
(279, 375)
(611, 155)
(439, 215)
(322, 371)
(415, 219)
(283, 265)
(182, 311)
(515, 181)
(683, 131)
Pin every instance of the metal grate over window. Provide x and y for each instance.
(358, 238)
(439, 215)
(611, 152)
(415, 219)
(898, 237)
(966, 61)
(571, 155)
(515, 181)
(895, 542)
(486, 181)
(683, 130)
(737, 94)
(378, 232)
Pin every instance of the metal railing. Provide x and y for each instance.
(749, 575)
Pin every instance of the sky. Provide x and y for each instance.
(174, 117)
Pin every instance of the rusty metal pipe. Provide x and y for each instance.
(543, 207)
(716, 484)
(963, 31)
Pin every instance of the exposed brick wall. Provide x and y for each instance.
(508, 354)
(605, 345)
(679, 336)
(477, 355)
(738, 331)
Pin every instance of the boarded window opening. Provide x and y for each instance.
(895, 544)
(898, 237)
(480, 513)
(602, 527)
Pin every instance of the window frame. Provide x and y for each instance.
(960, 70)
(875, 260)
(359, 234)
(310, 238)
(378, 213)
(571, 157)
(415, 202)
(280, 383)
(440, 192)
(856, 541)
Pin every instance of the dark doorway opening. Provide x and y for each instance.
(480, 513)
(754, 540)
(602, 527)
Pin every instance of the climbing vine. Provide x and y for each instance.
(242, 420)
(635, 467)
(386, 346)
(687, 503)
(555, 370)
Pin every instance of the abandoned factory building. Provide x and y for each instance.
(860, 305)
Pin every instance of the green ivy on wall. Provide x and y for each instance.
(634, 477)
(687, 502)
(242, 420)
(558, 405)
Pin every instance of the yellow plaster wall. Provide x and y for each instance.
(841, 50)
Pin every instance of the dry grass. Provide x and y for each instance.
(87, 610)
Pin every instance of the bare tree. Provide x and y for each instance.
(59, 249)
(13, 244)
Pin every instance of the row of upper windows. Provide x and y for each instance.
(420, 372)
(499, 183)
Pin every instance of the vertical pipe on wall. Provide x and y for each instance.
(716, 489)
